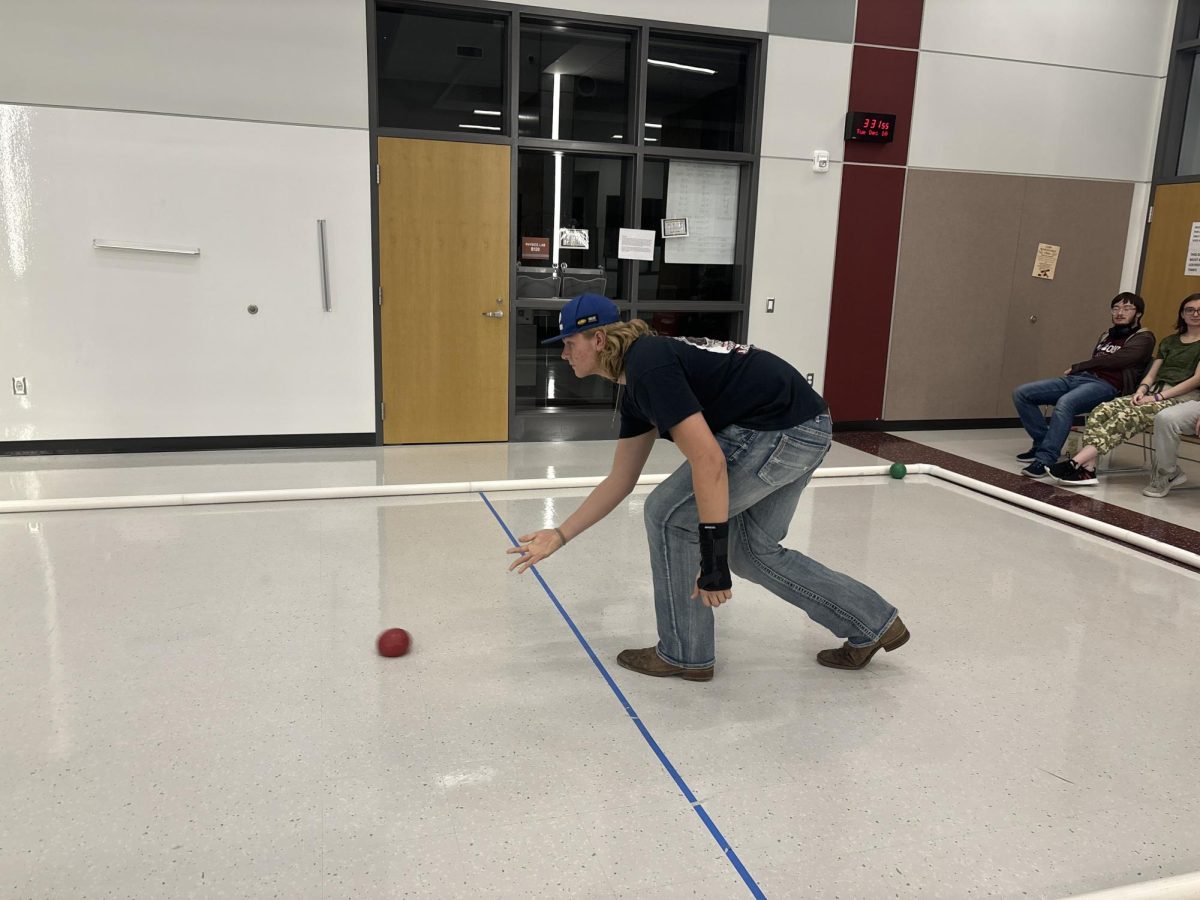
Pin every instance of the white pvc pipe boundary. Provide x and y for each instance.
(1180, 887)
(1132, 538)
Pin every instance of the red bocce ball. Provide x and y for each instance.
(393, 642)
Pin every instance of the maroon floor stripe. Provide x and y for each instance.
(898, 449)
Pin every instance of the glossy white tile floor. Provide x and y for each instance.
(191, 707)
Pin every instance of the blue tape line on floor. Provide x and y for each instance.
(662, 757)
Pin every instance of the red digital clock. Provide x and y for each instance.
(877, 128)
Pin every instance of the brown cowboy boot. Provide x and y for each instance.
(648, 662)
(847, 657)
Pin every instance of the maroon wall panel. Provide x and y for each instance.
(892, 23)
(883, 81)
(864, 280)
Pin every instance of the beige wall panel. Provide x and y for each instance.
(953, 282)
(1053, 323)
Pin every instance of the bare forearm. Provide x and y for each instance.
(1182, 388)
(710, 483)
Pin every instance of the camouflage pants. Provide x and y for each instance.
(1118, 420)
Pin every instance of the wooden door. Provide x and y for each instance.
(1176, 207)
(443, 266)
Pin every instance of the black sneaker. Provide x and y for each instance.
(1029, 455)
(1059, 469)
(1034, 470)
(1075, 475)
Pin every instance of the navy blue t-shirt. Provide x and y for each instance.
(668, 379)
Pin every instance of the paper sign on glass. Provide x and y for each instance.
(573, 238)
(1046, 261)
(634, 243)
(706, 194)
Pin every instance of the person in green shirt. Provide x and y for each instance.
(1173, 378)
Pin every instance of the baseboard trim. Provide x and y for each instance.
(925, 424)
(183, 444)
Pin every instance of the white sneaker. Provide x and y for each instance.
(1161, 484)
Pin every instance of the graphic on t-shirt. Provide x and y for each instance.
(715, 346)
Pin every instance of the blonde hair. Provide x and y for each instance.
(618, 338)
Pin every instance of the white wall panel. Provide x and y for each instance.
(1138, 210)
(271, 60)
(808, 85)
(990, 115)
(1115, 35)
(749, 15)
(125, 344)
(795, 239)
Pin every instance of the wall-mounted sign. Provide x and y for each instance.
(874, 128)
(535, 248)
(674, 228)
(1192, 265)
(1046, 261)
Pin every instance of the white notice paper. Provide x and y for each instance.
(634, 243)
(706, 194)
(1046, 261)
(1192, 265)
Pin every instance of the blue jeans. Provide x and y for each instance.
(767, 471)
(1071, 395)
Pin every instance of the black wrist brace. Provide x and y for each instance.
(714, 557)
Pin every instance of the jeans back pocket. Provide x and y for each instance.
(799, 451)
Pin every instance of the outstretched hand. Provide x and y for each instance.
(531, 549)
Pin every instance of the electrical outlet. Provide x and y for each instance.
(20, 386)
(809, 378)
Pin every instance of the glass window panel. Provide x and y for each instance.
(585, 72)
(590, 192)
(441, 71)
(544, 380)
(661, 279)
(1189, 147)
(719, 326)
(696, 94)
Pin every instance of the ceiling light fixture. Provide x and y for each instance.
(481, 127)
(487, 112)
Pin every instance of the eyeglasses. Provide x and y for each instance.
(1123, 306)
(1191, 310)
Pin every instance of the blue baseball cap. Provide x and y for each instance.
(584, 312)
